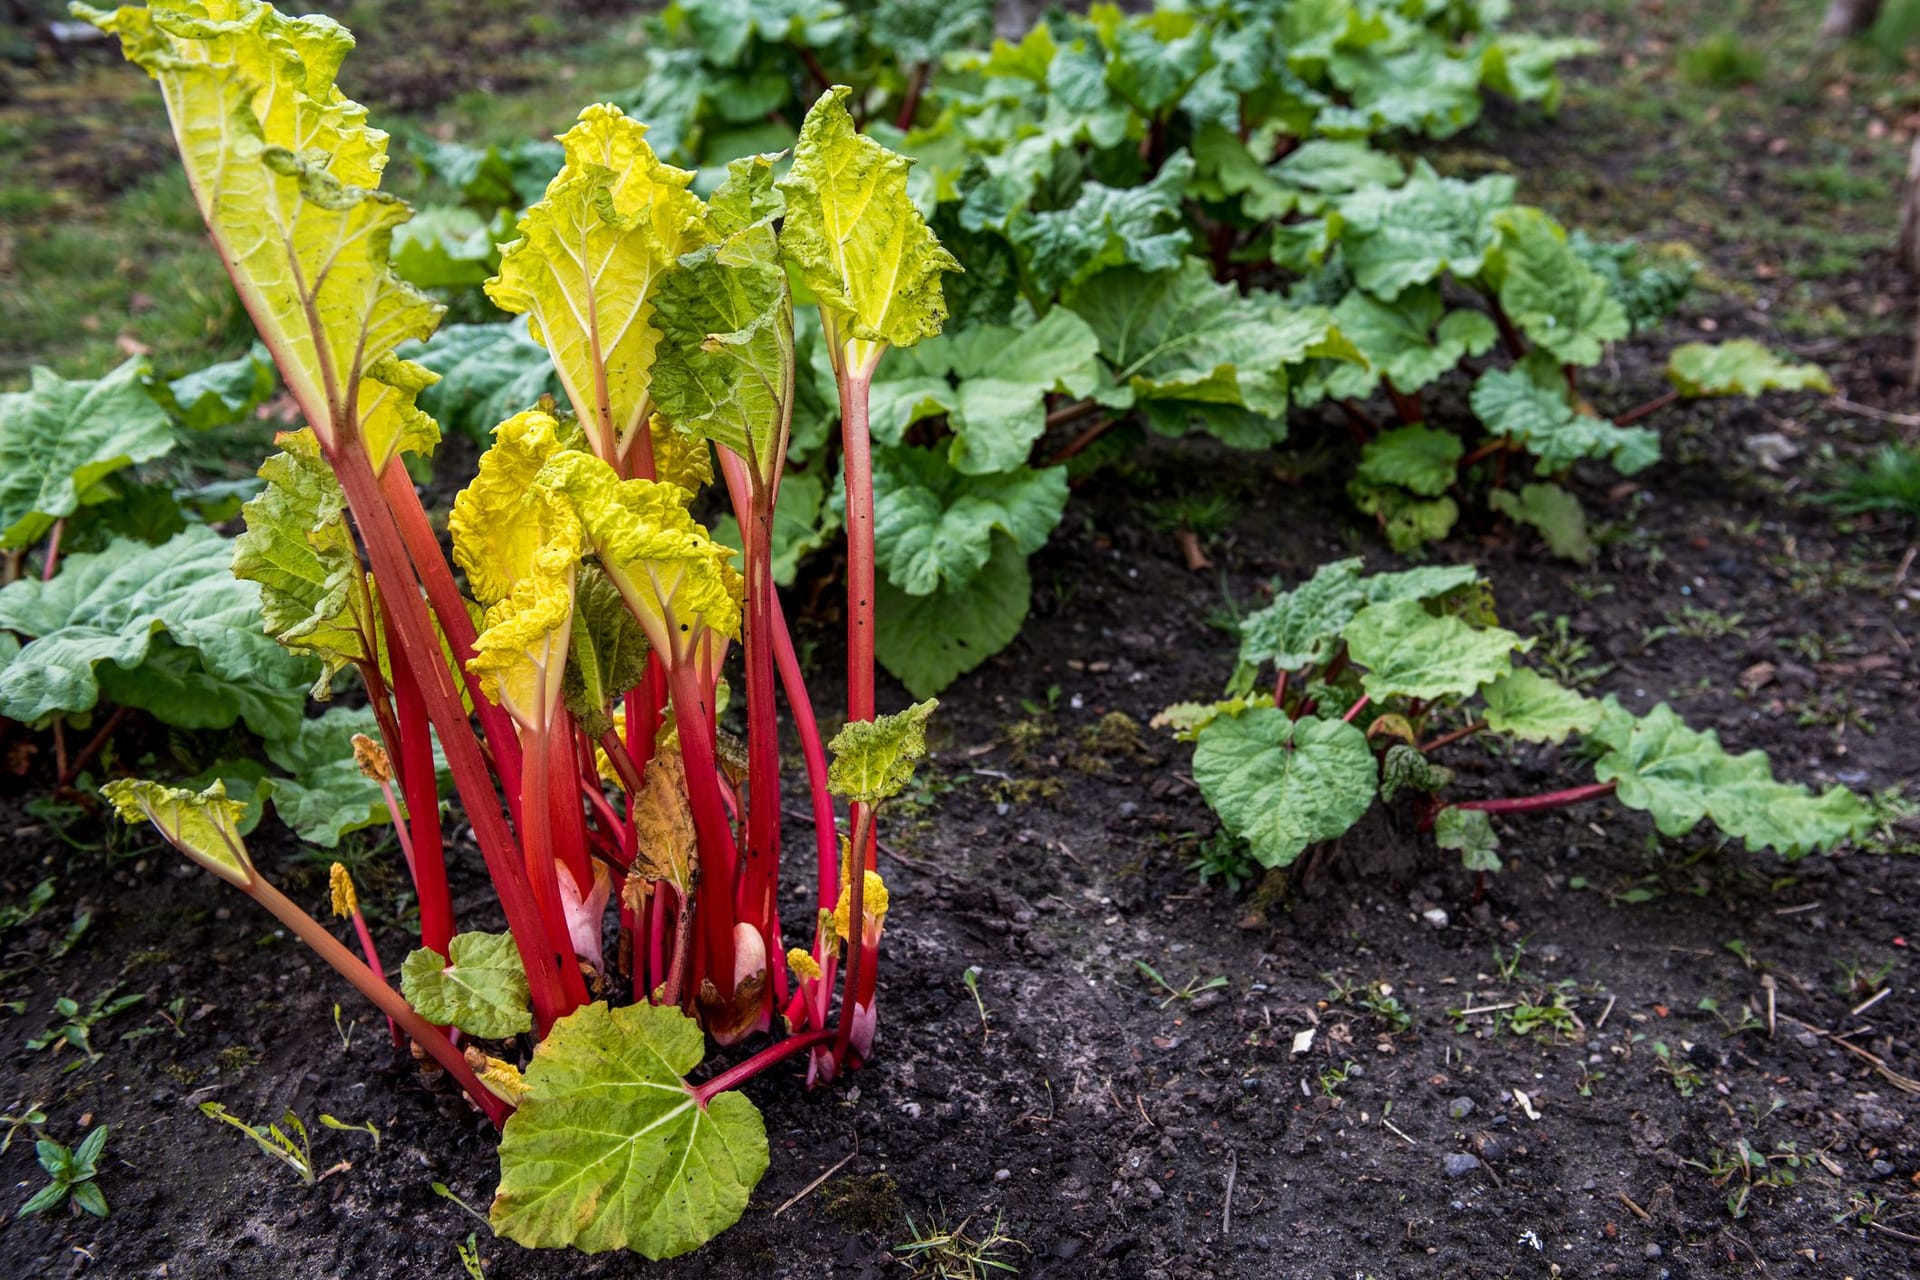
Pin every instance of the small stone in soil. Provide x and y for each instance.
(1459, 1164)
(1435, 916)
(1460, 1108)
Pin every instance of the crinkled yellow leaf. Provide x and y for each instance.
(500, 523)
(874, 759)
(286, 171)
(520, 654)
(615, 219)
(203, 825)
(862, 247)
(679, 458)
(675, 578)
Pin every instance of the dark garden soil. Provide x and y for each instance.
(1116, 1129)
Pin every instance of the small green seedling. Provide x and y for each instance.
(13, 915)
(341, 1126)
(469, 1252)
(75, 1027)
(32, 1117)
(70, 1174)
(1188, 992)
(295, 1151)
(972, 980)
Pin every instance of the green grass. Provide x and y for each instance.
(1721, 61)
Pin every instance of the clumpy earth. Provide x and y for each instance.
(1630, 1057)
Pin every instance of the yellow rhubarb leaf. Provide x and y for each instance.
(500, 522)
(205, 825)
(614, 220)
(861, 246)
(520, 654)
(286, 173)
(679, 582)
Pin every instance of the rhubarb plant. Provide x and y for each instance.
(566, 666)
(1351, 689)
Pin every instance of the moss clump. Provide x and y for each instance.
(869, 1203)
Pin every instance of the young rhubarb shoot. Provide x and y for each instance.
(204, 826)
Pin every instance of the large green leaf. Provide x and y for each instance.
(1739, 367)
(1681, 775)
(929, 641)
(1282, 784)
(1004, 373)
(1528, 404)
(1408, 235)
(874, 759)
(1411, 653)
(1407, 520)
(1528, 705)
(323, 794)
(1303, 627)
(445, 248)
(1427, 87)
(610, 1149)
(934, 528)
(112, 609)
(1108, 227)
(1550, 292)
(58, 439)
(1409, 342)
(1525, 66)
(1177, 335)
(479, 987)
(1416, 458)
(300, 549)
(861, 246)
(1555, 513)
(918, 31)
(220, 393)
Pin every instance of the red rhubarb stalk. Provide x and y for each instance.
(1551, 800)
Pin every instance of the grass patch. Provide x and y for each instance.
(1721, 61)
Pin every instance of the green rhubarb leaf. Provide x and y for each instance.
(935, 529)
(1408, 521)
(1177, 335)
(1303, 627)
(204, 825)
(1411, 653)
(1225, 171)
(873, 760)
(492, 177)
(1427, 86)
(608, 651)
(220, 394)
(1153, 57)
(1681, 775)
(1740, 367)
(488, 373)
(1526, 67)
(1416, 458)
(1330, 167)
(1410, 342)
(1106, 227)
(1282, 784)
(860, 245)
(610, 1149)
(323, 795)
(481, 988)
(1394, 239)
(1407, 768)
(917, 31)
(299, 547)
(723, 370)
(1528, 404)
(108, 612)
(1531, 707)
(444, 248)
(1471, 832)
(1554, 512)
(725, 30)
(1550, 292)
(991, 382)
(59, 439)
(929, 641)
